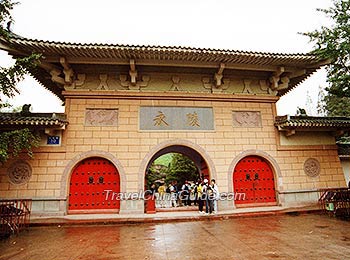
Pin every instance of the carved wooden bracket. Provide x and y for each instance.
(278, 82)
(265, 87)
(55, 76)
(289, 132)
(54, 71)
(124, 82)
(67, 71)
(217, 84)
(209, 84)
(133, 72)
(133, 83)
(218, 76)
(79, 81)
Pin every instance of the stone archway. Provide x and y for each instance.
(192, 150)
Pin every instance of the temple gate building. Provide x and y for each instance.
(127, 105)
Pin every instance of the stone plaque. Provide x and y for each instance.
(101, 117)
(19, 172)
(246, 119)
(176, 118)
(312, 167)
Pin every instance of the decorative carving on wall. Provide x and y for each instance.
(19, 172)
(264, 86)
(128, 83)
(246, 119)
(175, 86)
(211, 84)
(312, 167)
(247, 89)
(131, 81)
(103, 82)
(101, 117)
(78, 82)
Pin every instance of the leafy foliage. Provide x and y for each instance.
(181, 169)
(154, 173)
(333, 43)
(321, 104)
(16, 141)
(9, 77)
(337, 106)
(6, 6)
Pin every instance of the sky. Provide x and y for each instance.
(249, 25)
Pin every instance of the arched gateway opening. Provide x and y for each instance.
(89, 181)
(254, 183)
(202, 172)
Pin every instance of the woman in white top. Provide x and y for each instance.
(216, 195)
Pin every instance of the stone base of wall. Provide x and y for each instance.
(299, 198)
(48, 207)
(225, 205)
(57, 207)
(131, 207)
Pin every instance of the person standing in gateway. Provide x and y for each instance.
(216, 195)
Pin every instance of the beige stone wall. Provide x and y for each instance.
(308, 138)
(292, 167)
(131, 148)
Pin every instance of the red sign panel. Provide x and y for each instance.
(89, 181)
(253, 182)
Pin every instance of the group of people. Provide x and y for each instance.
(203, 194)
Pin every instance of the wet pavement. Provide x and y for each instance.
(305, 236)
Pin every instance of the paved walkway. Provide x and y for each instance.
(284, 236)
(161, 217)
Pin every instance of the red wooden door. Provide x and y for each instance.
(253, 182)
(89, 182)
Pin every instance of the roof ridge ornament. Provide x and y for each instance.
(26, 110)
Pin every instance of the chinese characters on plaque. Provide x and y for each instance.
(159, 119)
(176, 118)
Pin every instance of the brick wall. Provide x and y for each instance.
(131, 148)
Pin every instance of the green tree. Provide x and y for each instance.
(321, 106)
(181, 169)
(13, 142)
(333, 43)
(155, 173)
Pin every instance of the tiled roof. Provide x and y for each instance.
(33, 119)
(295, 122)
(95, 50)
(23, 46)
